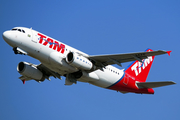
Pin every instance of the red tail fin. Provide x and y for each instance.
(140, 70)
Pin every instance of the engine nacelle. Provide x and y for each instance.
(30, 71)
(78, 61)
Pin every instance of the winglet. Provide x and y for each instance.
(23, 81)
(168, 52)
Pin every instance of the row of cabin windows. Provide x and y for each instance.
(105, 67)
(20, 30)
(84, 61)
(112, 70)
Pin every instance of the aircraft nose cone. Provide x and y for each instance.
(6, 35)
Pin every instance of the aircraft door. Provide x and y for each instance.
(126, 79)
(34, 37)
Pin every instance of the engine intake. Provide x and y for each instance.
(79, 61)
(30, 71)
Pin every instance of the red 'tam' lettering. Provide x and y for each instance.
(41, 38)
(51, 42)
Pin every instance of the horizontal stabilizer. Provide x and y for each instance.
(154, 84)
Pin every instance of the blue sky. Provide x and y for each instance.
(94, 27)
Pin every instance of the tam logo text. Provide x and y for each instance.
(52, 43)
(138, 66)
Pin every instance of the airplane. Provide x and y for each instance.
(58, 59)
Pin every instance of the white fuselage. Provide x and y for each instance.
(44, 49)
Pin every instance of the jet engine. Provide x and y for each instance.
(79, 61)
(30, 71)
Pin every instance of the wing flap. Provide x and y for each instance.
(154, 84)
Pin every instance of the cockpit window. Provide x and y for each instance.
(14, 29)
(20, 30)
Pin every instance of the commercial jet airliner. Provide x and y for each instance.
(58, 59)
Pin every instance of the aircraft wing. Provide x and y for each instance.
(46, 71)
(103, 60)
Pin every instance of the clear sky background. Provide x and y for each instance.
(94, 27)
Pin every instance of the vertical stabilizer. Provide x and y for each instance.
(140, 69)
